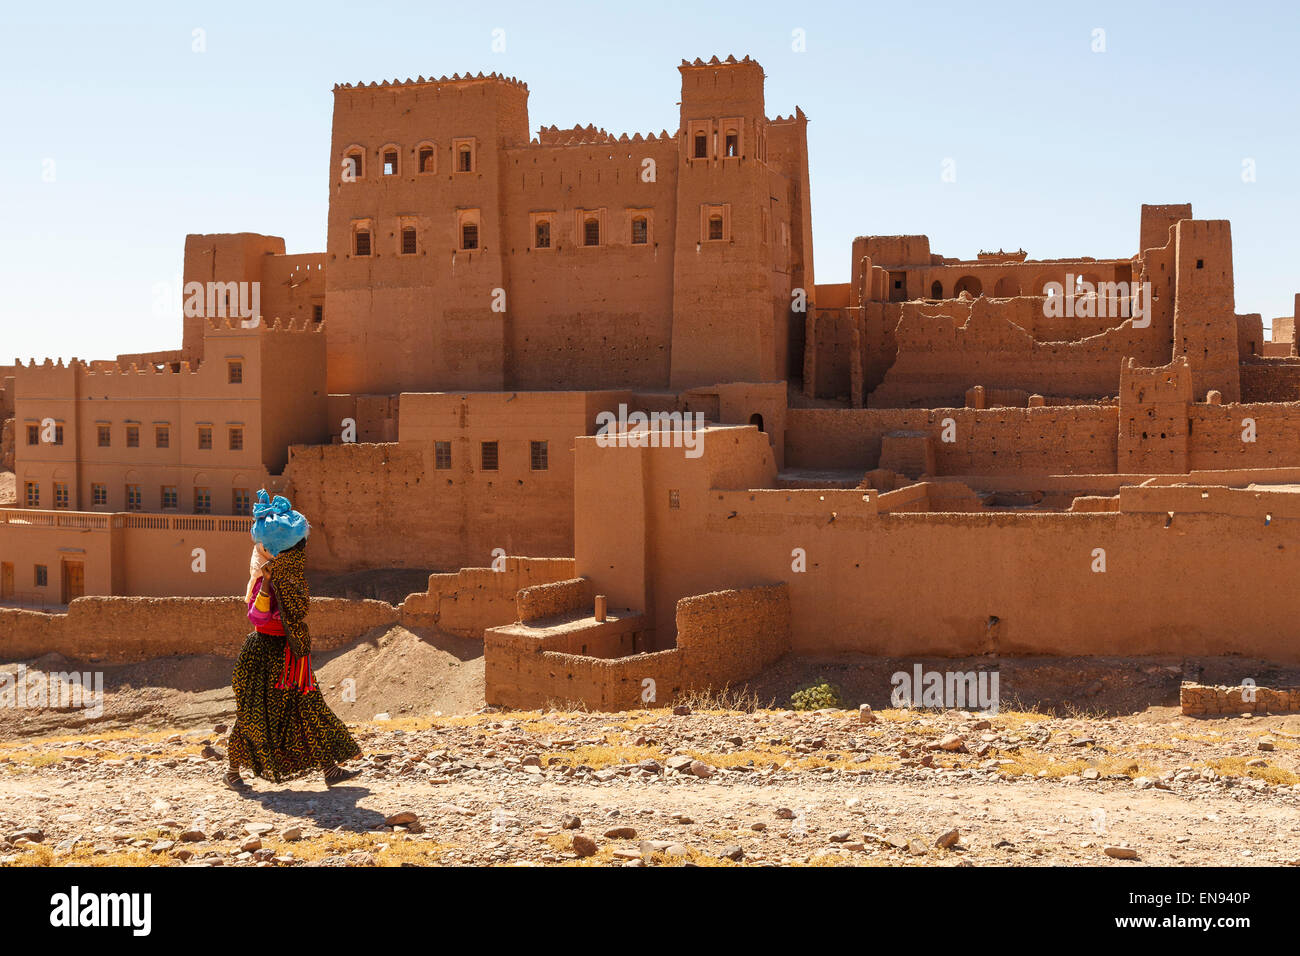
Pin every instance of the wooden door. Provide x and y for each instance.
(74, 580)
(6, 581)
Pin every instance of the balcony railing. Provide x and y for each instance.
(102, 521)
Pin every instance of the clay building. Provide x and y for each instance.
(590, 380)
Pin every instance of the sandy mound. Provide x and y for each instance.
(404, 674)
(398, 672)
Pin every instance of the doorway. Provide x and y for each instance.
(74, 581)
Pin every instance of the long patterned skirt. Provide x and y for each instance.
(281, 734)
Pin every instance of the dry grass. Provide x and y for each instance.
(1236, 767)
(726, 699)
(1028, 763)
(389, 849)
(41, 855)
(600, 756)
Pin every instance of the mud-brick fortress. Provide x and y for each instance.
(998, 455)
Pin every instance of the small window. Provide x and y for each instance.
(488, 456)
(732, 144)
(390, 162)
(317, 313)
(426, 159)
(58, 434)
(442, 455)
(132, 436)
(205, 437)
(465, 158)
(235, 372)
(134, 500)
(408, 240)
(98, 494)
(33, 434)
(61, 496)
(105, 433)
(539, 459)
(203, 501)
(236, 437)
(42, 576)
(701, 146)
(591, 231)
(542, 235)
(240, 502)
(162, 436)
(169, 497)
(715, 227)
(640, 231)
(469, 235)
(362, 242)
(31, 494)
(674, 498)
(353, 166)
(1200, 263)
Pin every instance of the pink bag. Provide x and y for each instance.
(264, 609)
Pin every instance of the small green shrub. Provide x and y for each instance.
(817, 696)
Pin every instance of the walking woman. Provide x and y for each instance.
(283, 727)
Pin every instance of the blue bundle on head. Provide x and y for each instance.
(276, 526)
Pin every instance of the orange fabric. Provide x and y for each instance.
(296, 672)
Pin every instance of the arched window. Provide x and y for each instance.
(424, 158)
(465, 158)
(591, 231)
(354, 165)
(469, 235)
(970, 285)
(757, 420)
(936, 289)
(390, 161)
(732, 143)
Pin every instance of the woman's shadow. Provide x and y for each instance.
(336, 806)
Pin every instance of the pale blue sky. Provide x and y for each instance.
(1055, 146)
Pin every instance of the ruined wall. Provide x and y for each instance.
(123, 629)
(1217, 433)
(1270, 381)
(722, 638)
(1199, 700)
(550, 600)
(1075, 439)
(940, 357)
(472, 599)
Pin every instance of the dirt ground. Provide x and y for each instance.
(659, 788)
(1119, 778)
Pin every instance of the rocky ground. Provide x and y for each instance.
(665, 788)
